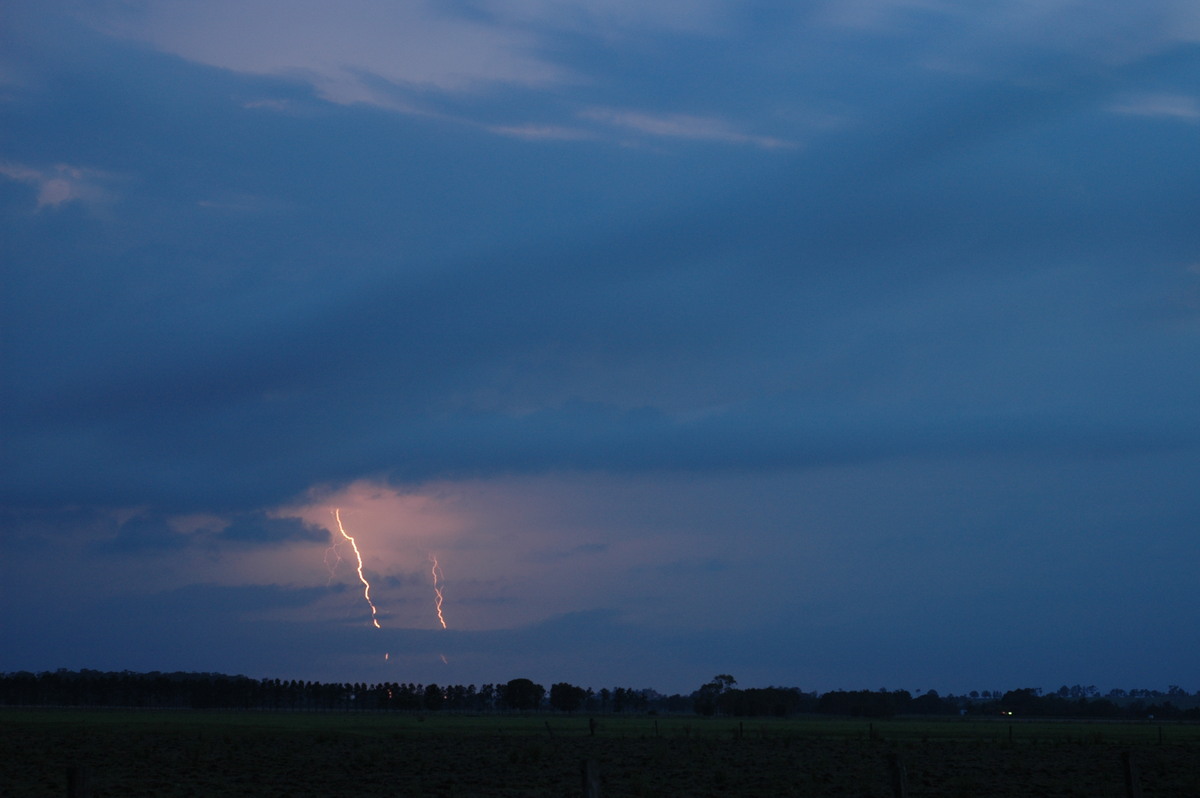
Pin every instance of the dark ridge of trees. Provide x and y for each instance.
(865, 703)
(567, 697)
(721, 696)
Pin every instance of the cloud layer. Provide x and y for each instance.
(835, 322)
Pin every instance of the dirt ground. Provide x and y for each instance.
(211, 760)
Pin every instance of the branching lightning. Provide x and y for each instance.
(337, 514)
(333, 558)
(436, 572)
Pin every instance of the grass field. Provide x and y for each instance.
(181, 753)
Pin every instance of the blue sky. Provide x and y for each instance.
(825, 344)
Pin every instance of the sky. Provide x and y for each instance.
(835, 345)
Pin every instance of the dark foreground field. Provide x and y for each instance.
(175, 753)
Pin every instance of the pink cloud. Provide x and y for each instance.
(339, 48)
(60, 184)
(682, 126)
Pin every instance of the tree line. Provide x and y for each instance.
(721, 696)
(89, 688)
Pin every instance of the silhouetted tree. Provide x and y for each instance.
(865, 703)
(566, 697)
(1022, 701)
(708, 699)
(433, 698)
(930, 704)
(523, 694)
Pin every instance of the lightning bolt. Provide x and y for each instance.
(337, 514)
(436, 572)
(333, 558)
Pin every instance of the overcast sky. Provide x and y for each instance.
(845, 344)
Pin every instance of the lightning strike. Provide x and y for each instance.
(337, 514)
(333, 558)
(436, 572)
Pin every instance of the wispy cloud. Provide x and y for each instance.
(334, 47)
(1172, 106)
(681, 126)
(533, 132)
(609, 17)
(60, 184)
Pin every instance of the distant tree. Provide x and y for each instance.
(566, 697)
(619, 698)
(675, 704)
(865, 703)
(433, 698)
(456, 697)
(777, 701)
(708, 699)
(523, 694)
(626, 698)
(929, 704)
(1024, 701)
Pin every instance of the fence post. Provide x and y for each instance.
(1133, 785)
(899, 776)
(79, 782)
(591, 779)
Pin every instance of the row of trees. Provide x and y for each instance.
(214, 690)
(721, 696)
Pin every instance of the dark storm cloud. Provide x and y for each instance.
(260, 529)
(710, 240)
(143, 534)
(150, 532)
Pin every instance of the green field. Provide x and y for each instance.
(199, 753)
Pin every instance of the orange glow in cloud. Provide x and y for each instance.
(495, 536)
(337, 514)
